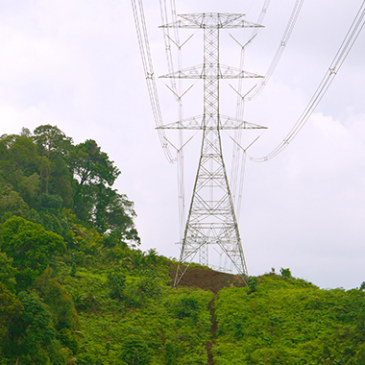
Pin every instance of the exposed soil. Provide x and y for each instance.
(213, 330)
(206, 279)
(210, 353)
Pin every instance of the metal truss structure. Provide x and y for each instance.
(211, 219)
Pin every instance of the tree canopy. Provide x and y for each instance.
(30, 246)
(44, 174)
(75, 289)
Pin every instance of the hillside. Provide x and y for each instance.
(76, 289)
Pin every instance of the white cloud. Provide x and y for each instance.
(76, 64)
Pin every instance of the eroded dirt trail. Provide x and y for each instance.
(213, 330)
(207, 279)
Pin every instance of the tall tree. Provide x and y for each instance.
(18, 158)
(55, 147)
(51, 140)
(11, 203)
(92, 166)
(31, 333)
(10, 310)
(30, 246)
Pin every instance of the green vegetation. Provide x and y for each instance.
(289, 321)
(75, 289)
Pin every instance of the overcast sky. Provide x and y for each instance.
(76, 64)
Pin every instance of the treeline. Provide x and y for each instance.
(46, 179)
(75, 288)
(57, 206)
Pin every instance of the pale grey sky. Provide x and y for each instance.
(76, 64)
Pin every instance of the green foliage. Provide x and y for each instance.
(73, 269)
(135, 351)
(252, 283)
(51, 140)
(32, 333)
(105, 302)
(35, 322)
(18, 158)
(10, 310)
(89, 359)
(30, 246)
(288, 322)
(68, 339)
(57, 354)
(49, 185)
(7, 272)
(116, 282)
(187, 307)
(58, 300)
(171, 353)
(285, 272)
(43, 173)
(91, 165)
(29, 188)
(147, 309)
(11, 204)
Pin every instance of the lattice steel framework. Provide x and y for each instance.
(211, 219)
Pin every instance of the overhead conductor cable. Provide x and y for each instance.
(238, 178)
(330, 74)
(144, 47)
(176, 88)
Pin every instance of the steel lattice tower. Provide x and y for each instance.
(211, 219)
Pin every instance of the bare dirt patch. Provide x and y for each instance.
(206, 279)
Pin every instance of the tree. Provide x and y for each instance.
(30, 246)
(93, 172)
(95, 202)
(43, 173)
(18, 158)
(64, 315)
(31, 333)
(7, 272)
(285, 272)
(54, 146)
(11, 204)
(10, 309)
(252, 283)
(92, 166)
(50, 139)
(30, 189)
(114, 212)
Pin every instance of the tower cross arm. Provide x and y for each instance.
(211, 20)
(198, 123)
(203, 72)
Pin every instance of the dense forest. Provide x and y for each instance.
(76, 289)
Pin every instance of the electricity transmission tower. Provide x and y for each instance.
(211, 219)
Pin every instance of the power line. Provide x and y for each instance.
(176, 88)
(329, 76)
(279, 52)
(239, 157)
(212, 220)
(143, 42)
